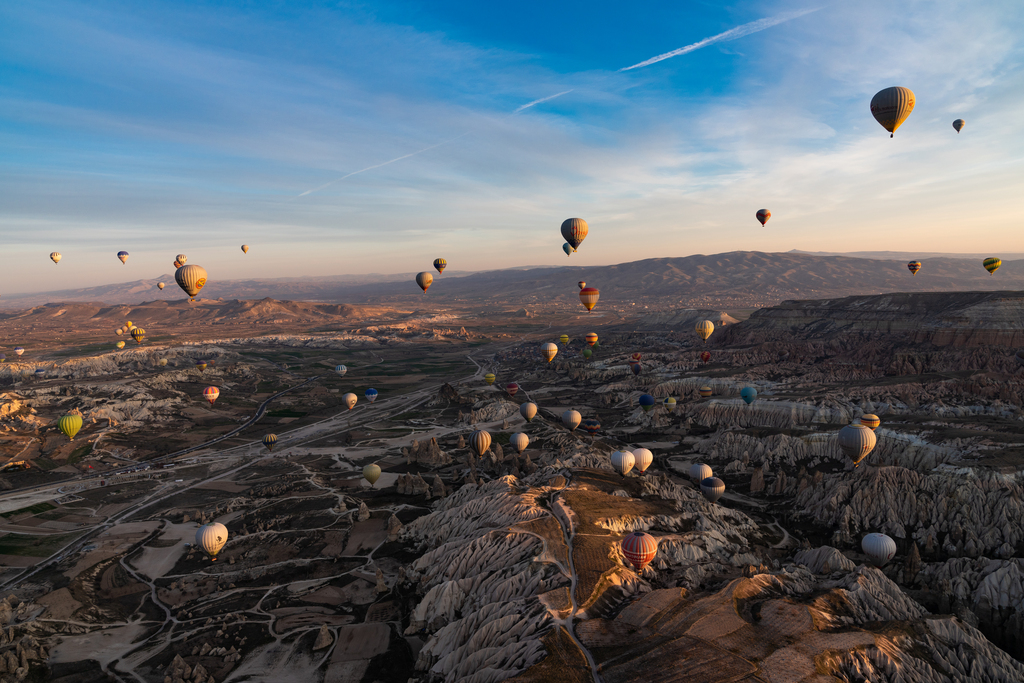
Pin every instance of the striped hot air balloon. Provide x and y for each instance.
(528, 411)
(371, 395)
(480, 442)
(70, 424)
(639, 548)
(581, 284)
(991, 264)
(913, 267)
(191, 279)
(589, 297)
(870, 421)
(549, 351)
(763, 215)
(856, 441)
(892, 106)
(489, 378)
(270, 440)
(622, 462)
(211, 394)
(181, 259)
(704, 329)
(138, 334)
(519, 441)
(879, 548)
(571, 419)
(670, 404)
(591, 338)
(340, 370)
(512, 388)
(564, 339)
(712, 488)
(55, 256)
(699, 472)
(591, 426)
(440, 264)
(574, 231)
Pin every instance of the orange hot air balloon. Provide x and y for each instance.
(591, 338)
(549, 351)
(763, 215)
(639, 548)
(589, 297)
(211, 394)
(913, 267)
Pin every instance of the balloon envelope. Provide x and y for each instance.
(528, 411)
(581, 284)
(959, 125)
(512, 388)
(349, 400)
(160, 285)
(574, 231)
(564, 339)
(991, 264)
(123, 255)
(211, 538)
(270, 440)
(643, 459)
(119, 344)
(591, 338)
(211, 394)
(191, 279)
(589, 297)
(138, 334)
(856, 441)
(70, 424)
(913, 267)
(699, 472)
(879, 548)
(371, 395)
(763, 215)
(371, 473)
(571, 419)
(181, 259)
(340, 370)
(705, 356)
(712, 488)
(587, 352)
(519, 441)
(748, 394)
(440, 264)
(567, 248)
(892, 106)
(489, 378)
(549, 351)
(646, 402)
(870, 421)
(622, 462)
(670, 403)
(639, 548)
(704, 329)
(424, 279)
(480, 441)
(245, 248)
(591, 426)
(55, 256)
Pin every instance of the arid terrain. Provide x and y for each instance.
(454, 567)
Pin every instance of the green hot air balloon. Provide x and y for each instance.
(371, 473)
(991, 264)
(70, 424)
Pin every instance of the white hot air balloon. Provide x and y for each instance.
(571, 419)
(712, 488)
(519, 441)
(699, 472)
(211, 538)
(879, 548)
(528, 411)
(622, 462)
(643, 458)
(856, 441)
(349, 400)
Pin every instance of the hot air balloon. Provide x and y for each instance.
(705, 392)
(870, 421)
(440, 264)
(55, 256)
(181, 259)
(712, 488)
(636, 356)
(622, 462)
(138, 334)
(423, 280)
(549, 351)
(129, 325)
(349, 400)
(571, 419)
(3, 357)
(371, 473)
(591, 426)
(574, 231)
(959, 125)
(587, 352)
(160, 285)
(340, 370)
(191, 279)
(856, 441)
(176, 265)
(40, 372)
(643, 459)
(512, 388)
(567, 248)
(705, 356)
(591, 338)
(211, 394)
(119, 331)
(635, 367)
(270, 440)
(581, 284)
(519, 441)
(200, 365)
(70, 424)
(489, 378)
(763, 215)
(646, 402)
(589, 297)
(123, 255)
(670, 404)
(480, 441)
(528, 411)
(748, 394)
(162, 362)
(879, 548)
(913, 267)
(891, 107)
(245, 248)
(18, 350)
(699, 472)
(639, 548)
(119, 345)
(211, 538)
(704, 329)
(991, 264)
(564, 339)
(371, 395)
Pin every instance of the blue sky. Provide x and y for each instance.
(162, 127)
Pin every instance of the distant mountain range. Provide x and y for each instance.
(757, 277)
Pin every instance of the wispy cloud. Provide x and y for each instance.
(731, 34)
(543, 99)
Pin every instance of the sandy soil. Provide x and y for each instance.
(104, 646)
(156, 562)
(59, 604)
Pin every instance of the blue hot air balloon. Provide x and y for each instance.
(646, 402)
(748, 394)
(123, 255)
(371, 395)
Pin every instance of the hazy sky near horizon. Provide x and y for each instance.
(195, 127)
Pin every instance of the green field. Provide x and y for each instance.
(32, 509)
(34, 546)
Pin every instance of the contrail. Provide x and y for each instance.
(543, 99)
(427, 149)
(731, 34)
